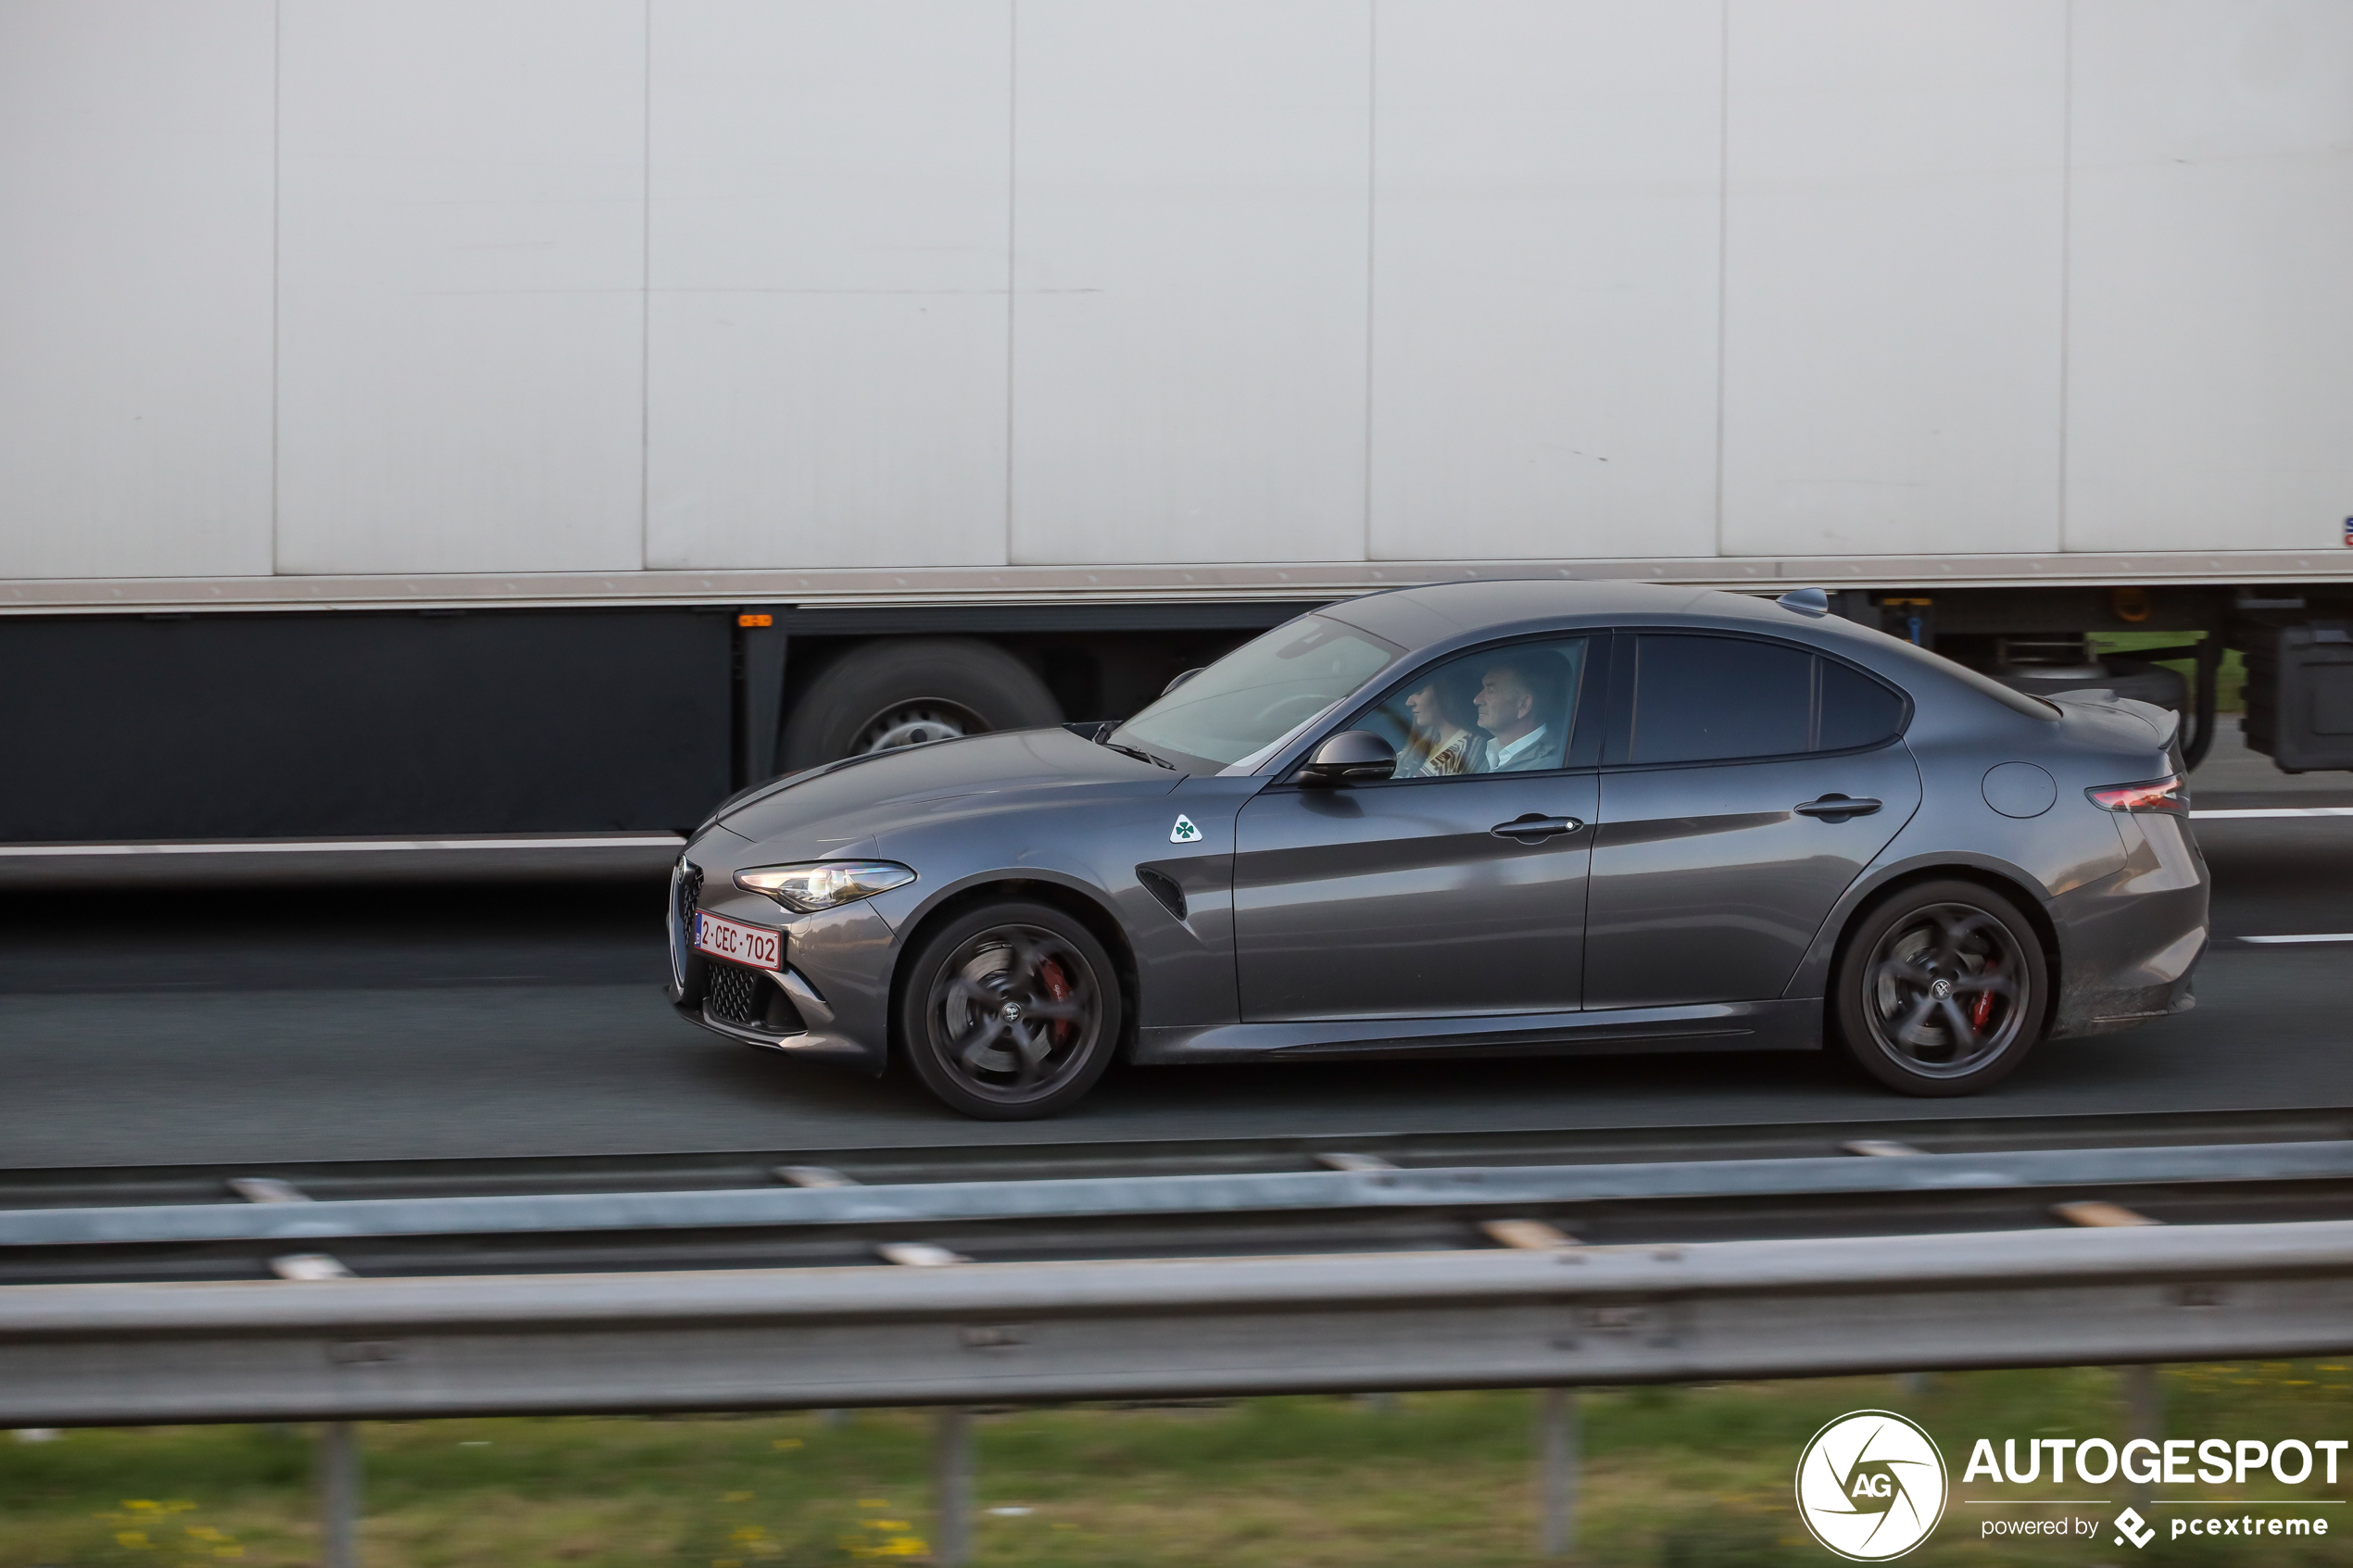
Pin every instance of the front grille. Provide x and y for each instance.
(733, 996)
(686, 887)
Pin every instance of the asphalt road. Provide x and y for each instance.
(390, 1023)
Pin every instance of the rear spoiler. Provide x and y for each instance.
(2164, 720)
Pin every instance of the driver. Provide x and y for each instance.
(1519, 705)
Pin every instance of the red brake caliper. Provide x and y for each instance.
(1050, 975)
(1980, 1010)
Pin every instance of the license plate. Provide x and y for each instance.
(739, 944)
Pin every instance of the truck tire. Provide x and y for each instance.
(903, 692)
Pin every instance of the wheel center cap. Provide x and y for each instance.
(1011, 1012)
(1940, 989)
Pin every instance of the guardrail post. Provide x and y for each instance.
(2143, 1415)
(1557, 1484)
(339, 1494)
(951, 1486)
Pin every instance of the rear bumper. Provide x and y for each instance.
(2130, 944)
(2104, 1012)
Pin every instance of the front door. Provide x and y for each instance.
(1457, 887)
(1722, 843)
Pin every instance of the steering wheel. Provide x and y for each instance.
(1286, 712)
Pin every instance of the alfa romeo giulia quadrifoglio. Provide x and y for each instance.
(1494, 819)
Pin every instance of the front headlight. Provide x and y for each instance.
(820, 884)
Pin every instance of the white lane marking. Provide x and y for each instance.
(344, 845)
(2242, 811)
(2321, 936)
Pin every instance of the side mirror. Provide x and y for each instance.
(1350, 756)
(1182, 677)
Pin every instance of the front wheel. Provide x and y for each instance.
(1011, 1011)
(1940, 991)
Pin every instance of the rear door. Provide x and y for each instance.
(1746, 784)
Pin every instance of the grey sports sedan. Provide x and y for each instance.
(1493, 819)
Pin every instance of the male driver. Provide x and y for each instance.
(1517, 695)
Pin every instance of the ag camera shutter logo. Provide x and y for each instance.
(1870, 1486)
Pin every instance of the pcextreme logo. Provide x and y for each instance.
(1870, 1486)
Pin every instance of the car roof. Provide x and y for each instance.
(1450, 613)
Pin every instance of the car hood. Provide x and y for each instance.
(852, 799)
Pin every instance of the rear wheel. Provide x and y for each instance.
(1942, 990)
(1011, 1011)
(891, 693)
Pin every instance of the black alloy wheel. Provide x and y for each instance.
(1010, 1011)
(1942, 990)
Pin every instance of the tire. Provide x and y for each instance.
(904, 692)
(1886, 1009)
(980, 1056)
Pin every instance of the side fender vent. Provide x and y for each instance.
(1163, 886)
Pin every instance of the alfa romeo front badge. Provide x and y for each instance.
(1870, 1486)
(1184, 831)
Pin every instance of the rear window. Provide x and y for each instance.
(1854, 709)
(1713, 699)
(1699, 699)
(2033, 706)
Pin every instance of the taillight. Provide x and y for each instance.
(2168, 794)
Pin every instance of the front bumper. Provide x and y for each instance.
(829, 1002)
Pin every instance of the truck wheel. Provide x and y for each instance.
(1942, 990)
(904, 693)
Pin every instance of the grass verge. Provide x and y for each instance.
(1676, 1477)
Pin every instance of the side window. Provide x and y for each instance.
(1709, 699)
(1505, 710)
(1856, 710)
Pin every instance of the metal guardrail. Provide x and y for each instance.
(1152, 1196)
(990, 1333)
(1931, 1126)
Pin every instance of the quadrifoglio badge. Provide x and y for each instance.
(1872, 1485)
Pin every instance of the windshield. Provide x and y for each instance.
(1257, 695)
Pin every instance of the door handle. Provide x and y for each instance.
(1533, 829)
(1836, 808)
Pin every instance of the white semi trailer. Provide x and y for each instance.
(539, 416)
